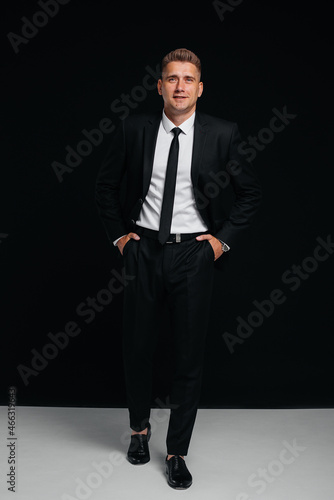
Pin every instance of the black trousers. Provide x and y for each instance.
(181, 274)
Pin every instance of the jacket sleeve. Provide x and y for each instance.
(108, 184)
(247, 192)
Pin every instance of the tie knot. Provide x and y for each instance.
(176, 131)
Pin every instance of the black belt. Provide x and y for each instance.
(173, 238)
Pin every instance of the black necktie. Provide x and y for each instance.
(169, 189)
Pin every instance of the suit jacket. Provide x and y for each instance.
(218, 165)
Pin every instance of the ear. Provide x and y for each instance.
(159, 85)
(200, 89)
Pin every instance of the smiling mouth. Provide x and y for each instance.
(180, 97)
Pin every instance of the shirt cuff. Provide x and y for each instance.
(115, 242)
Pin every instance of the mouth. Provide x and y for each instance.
(179, 97)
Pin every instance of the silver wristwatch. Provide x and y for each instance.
(225, 248)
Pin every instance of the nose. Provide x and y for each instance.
(179, 86)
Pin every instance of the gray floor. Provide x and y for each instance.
(78, 453)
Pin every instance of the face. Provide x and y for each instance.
(180, 88)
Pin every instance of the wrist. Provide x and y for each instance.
(225, 247)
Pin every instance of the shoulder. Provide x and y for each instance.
(139, 120)
(219, 124)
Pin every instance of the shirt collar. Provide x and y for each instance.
(185, 126)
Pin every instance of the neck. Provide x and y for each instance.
(178, 119)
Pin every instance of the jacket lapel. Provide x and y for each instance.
(198, 146)
(150, 138)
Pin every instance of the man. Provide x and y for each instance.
(171, 232)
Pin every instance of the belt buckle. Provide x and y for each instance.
(177, 238)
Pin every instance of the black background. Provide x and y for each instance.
(53, 249)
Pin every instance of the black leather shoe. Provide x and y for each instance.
(138, 452)
(178, 476)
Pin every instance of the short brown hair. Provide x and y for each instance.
(183, 55)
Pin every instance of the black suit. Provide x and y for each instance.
(182, 273)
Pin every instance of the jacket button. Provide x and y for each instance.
(140, 201)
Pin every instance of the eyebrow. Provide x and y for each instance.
(177, 76)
